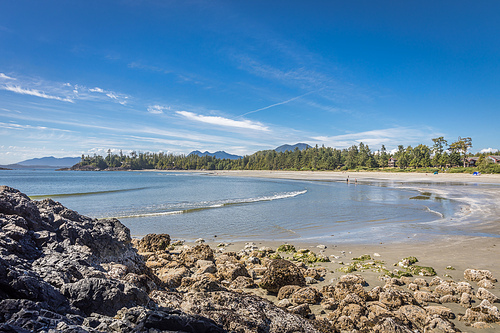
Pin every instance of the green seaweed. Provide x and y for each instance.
(287, 248)
(364, 257)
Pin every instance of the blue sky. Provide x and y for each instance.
(174, 76)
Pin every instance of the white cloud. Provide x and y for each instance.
(33, 92)
(5, 77)
(157, 109)
(375, 138)
(221, 121)
(488, 150)
(96, 89)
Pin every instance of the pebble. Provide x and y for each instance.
(200, 240)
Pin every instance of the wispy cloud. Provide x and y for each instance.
(375, 138)
(22, 127)
(96, 89)
(5, 77)
(157, 109)
(276, 104)
(221, 121)
(34, 92)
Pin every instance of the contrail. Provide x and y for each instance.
(280, 103)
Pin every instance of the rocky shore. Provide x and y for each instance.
(64, 272)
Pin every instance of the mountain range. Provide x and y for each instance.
(46, 162)
(217, 154)
(284, 148)
(67, 162)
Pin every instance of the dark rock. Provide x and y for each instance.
(177, 321)
(281, 273)
(103, 296)
(235, 311)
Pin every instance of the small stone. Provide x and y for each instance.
(321, 246)
(376, 254)
(311, 280)
(199, 240)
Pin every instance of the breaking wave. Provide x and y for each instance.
(195, 207)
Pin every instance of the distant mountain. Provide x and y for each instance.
(51, 161)
(218, 154)
(301, 146)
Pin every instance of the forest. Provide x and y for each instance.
(439, 156)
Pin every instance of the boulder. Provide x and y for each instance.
(280, 273)
(154, 242)
(103, 296)
(190, 256)
(485, 294)
(306, 295)
(485, 312)
(235, 311)
(478, 275)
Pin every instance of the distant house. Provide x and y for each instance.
(471, 161)
(392, 162)
(494, 158)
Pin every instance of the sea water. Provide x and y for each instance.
(192, 205)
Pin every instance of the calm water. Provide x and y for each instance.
(188, 206)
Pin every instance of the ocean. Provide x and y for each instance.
(199, 205)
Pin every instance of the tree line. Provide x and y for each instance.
(439, 155)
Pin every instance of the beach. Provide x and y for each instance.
(421, 282)
(456, 252)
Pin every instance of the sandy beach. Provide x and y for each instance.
(459, 252)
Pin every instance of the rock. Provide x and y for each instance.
(486, 284)
(190, 256)
(485, 294)
(484, 312)
(103, 296)
(236, 312)
(154, 242)
(342, 289)
(241, 282)
(176, 321)
(321, 246)
(172, 277)
(280, 273)
(354, 278)
(415, 314)
(393, 298)
(449, 299)
(439, 324)
(464, 287)
(302, 310)
(424, 297)
(306, 295)
(229, 268)
(478, 275)
(287, 291)
(284, 303)
(413, 286)
(465, 300)
(444, 289)
(310, 280)
(199, 240)
(441, 311)
(421, 282)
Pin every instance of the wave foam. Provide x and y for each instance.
(217, 204)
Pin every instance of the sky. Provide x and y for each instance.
(82, 77)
